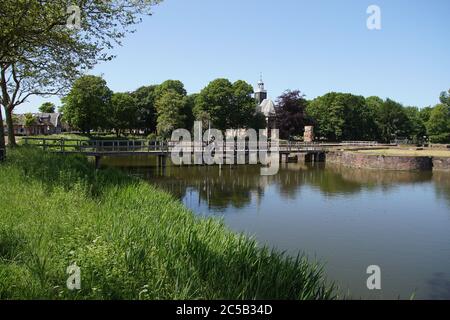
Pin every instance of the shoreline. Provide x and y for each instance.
(363, 160)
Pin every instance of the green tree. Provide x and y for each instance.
(359, 119)
(122, 115)
(425, 114)
(215, 103)
(146, 111)
(170, 106)
(174, 85)
(243, 106)
(227, 105)
(445, 97)
(438, 126)
(392, 121)
(343, 116)
(417, 126)
(189, 103)
(29, 120)
(42, 51)
(258, 121)
(47, 107)
(374, 104)
(188, 111)
(86, 106)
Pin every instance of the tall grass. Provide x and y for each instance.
(131, 241)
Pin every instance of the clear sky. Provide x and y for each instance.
(316, 46)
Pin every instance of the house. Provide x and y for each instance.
(42, 124)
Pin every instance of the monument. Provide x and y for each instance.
(309, 134)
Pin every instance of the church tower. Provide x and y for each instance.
(260, 92)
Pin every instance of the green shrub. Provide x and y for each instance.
(153, 137)
(441, 138)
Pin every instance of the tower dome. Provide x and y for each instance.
(260, 92)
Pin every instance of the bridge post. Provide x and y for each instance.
(319, 156)
(309, 157)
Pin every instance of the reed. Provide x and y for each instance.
(130, 239)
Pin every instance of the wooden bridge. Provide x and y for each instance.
(112, 148)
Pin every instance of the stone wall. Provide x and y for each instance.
(441, 163)
(367, 161)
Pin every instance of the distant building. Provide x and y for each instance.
(266, 106)
(260, 92)
(43, 124)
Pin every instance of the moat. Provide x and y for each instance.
(346, 218)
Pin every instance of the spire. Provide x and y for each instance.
(261, 82)
(260, 92)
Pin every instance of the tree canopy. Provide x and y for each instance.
(169, 107)
(343, 116)
(227, 105)
(47, 107)
(145, 108)
(123, 112)
(46, 45)
(87, 104)
(291, 114)
(438, 126)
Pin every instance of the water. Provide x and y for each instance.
(346, 218)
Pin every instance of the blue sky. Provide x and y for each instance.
(316, 46)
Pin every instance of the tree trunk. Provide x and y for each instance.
(10, 124)
(2, 136)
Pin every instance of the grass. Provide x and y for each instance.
(63, 136)
(408, 152)
(130, 239)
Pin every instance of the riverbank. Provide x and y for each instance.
(130, 240)
(392, 159)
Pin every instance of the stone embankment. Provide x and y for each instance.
(402, 163)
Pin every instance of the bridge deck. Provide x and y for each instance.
(148, 147)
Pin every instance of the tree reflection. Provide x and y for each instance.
(442, 185)
(237, 186)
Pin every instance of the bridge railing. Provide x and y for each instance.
(117, 146)
(142, 146)
(91, 146)
(360, 143)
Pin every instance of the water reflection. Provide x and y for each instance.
(235, 186)
(442, 184)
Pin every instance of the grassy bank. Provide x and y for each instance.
(408, 152)
(131, 240)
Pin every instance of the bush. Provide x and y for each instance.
(154, 137)
(441, 138)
